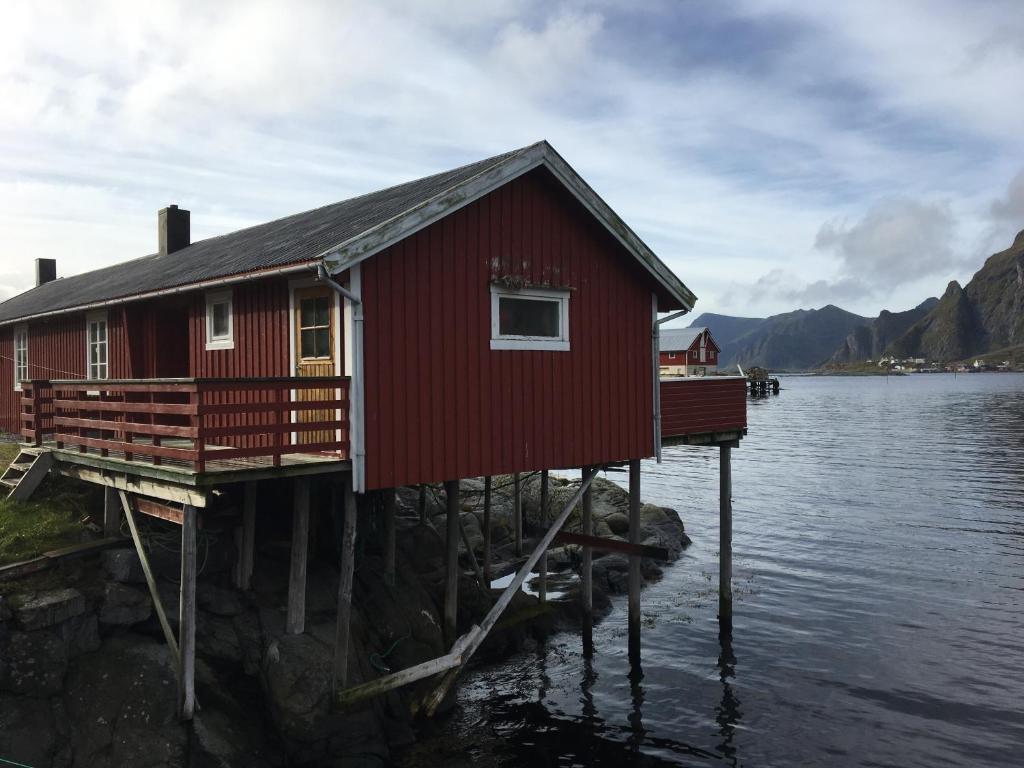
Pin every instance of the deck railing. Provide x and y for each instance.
(190, 421)
(703, 405)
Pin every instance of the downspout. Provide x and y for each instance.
(353, 348)
(656, 367)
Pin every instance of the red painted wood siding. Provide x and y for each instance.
(695, 406)
(441, 405)
(10, 407)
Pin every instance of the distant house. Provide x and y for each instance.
(688, 352)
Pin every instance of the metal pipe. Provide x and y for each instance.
(656, 367)
(325, 276)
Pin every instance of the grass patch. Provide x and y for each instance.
(7, 453)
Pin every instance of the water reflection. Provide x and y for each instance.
(636, 697)
(727, 714)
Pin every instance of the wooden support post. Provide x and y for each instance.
(517, 513)
(347, 569)
(451, 583)
(487, 531)
(587, 576)
(634, 562)
(296, 621)
(248, 551)
(111, 513)
(725, 534)
(389, 535)
(187, 614)
(542, 564)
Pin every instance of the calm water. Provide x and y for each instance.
(879, 615)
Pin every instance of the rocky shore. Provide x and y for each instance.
(86, 679)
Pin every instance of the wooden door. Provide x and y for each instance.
(315, 334)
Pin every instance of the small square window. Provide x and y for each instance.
(220, 331)
(531, 318)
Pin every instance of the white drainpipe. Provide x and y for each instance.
(656, 366)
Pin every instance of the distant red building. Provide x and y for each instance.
(688, 352)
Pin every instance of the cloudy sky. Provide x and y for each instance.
(775, 154)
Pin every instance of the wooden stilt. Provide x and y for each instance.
(296, 621)
(487, 531)
(347, 569)
(587, 575)
(517, 512)
(248, 552)
(725, 534)
(542, 564)
(389, 535)
(187, 613)
(451, 584)
(111, 513)
(634, 562)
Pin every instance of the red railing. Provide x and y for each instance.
(190, 421)
(703, 405)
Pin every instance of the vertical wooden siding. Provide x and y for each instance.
(441, 405)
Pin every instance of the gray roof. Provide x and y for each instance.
(349, 231)
(678, 339)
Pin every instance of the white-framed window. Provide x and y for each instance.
(671, 355)
(96, 345)
(20, 355)
(220, 321)
(529, 318)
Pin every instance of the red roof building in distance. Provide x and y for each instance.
(688, 352)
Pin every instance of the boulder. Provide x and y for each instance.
(45, 609)
(28, 733)
(79, 635)
(124, 606)
(33, 663)
(122, 565)
(218, 600)
(618, 522)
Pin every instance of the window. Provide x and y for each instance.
(220, 324)
(531, 318)
(671, 355)
(315, 327)
(20, 355)
(96, 345)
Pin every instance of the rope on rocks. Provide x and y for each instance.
(377, 659)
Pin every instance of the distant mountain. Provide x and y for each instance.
(869, 342)
(794, 341)
(984, 316)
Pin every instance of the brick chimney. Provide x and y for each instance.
(172, 229)
(46, 271)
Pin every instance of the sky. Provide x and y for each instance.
(776, 155)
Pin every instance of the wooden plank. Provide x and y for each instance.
(24, 568)
(135, 427)
(725, 534)
(207, 409)
(612, 545)
(111, 512)
(633, 620)
(160, 510)
(187, 613)
(587, 572)
(248, 547)
(116, 406)
(296, 621)
(451, 581)
(347, 569)
(263, 429)
(133, 484)
(32, 478)
(140, 449)
(435, 697)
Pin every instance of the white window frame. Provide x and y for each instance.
(220, 342)
(20, 334)
(97, 317)
(543, 343)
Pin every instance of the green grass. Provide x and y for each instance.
(50, 521)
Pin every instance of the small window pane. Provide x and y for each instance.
(322, 311)
(529, 317)
(307, 312)
(323, 342)
(308, 343)
(221, 327)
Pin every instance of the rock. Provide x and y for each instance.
(33, 663)
(651, 514)
(80, 635)
(618, 522)
(123, 565)
(297, 688)
(48, 608)
(5, 609)
(474, 533)
(613, 571)
(219, 601)
(124, 606)
(28, 733)
(250, 641)
(217, 639)
(559, 559)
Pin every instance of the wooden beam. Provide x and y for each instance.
(187, 613)
(346, 571)
(389, 535)
(160, 510)
(587, 571)
(120, 480)
(111, 512)
(487, 532)
(248, 548)
(517, 513)
(435, 697)
(296, 621)
(451, 582)
(612, 545)
(725, 534)
(542, 589)
(634, 563)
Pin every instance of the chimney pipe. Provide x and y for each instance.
(46, 271)
(172, 229)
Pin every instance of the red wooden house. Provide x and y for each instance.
(688, 352)
(493, 319)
